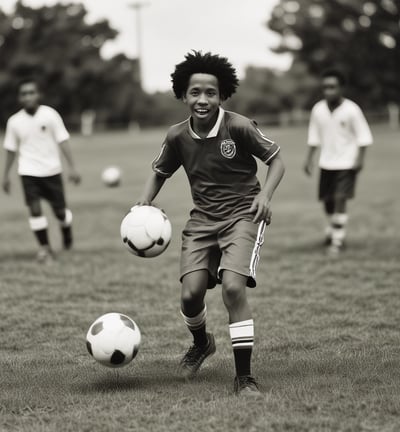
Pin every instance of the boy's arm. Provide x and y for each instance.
(6, 184)
(151, 189)
(309, 163)
(360, 158)
(262, 202)
(74, 176)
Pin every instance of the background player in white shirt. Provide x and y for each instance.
(35, 133)
(338, 126)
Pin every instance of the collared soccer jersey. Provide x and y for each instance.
(221, 168)
(339, 133)
(36, 138)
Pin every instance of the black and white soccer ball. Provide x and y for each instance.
(113, 340)
(146, 231)
(111, 176)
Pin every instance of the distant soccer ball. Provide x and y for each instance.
(146, 231)
(113, 340)
(111, 176)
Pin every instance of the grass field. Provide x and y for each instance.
(327, 332)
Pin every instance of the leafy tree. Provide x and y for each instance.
(57, 45)
(361, 37)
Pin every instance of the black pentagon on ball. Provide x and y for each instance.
(89, 347)
(117, 358)
(97, 328)
(160, 241)
(135, 351)
(127, 322)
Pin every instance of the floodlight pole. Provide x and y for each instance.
(137, 6)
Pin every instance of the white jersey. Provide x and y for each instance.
(36, 138)
(339, 133)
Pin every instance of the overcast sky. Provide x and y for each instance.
(170, 28)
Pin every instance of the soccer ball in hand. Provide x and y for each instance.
(146, 231)
(111, 176)
(113, 340)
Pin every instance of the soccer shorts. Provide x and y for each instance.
(221, 245)
(49, 188)
(337, 184)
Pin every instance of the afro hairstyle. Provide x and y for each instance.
(197, 62)
(336, 73)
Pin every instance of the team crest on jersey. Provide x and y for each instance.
(228, 148)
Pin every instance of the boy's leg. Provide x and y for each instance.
(39, 226)
(241, 329)
(64, 215)
(329, 207)
(194, 313)
(55, 194)
(339, 222)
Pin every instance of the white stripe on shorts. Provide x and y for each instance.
(255, 256)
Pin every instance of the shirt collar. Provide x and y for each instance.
(214, 131)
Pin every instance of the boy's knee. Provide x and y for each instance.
(60, 213)
(190, 294)
(35, 209)
(233, 292)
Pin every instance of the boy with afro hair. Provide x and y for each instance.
(222, 239)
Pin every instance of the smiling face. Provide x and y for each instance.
(203, 98)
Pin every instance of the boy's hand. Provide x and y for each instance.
(143, 202)
(6, 185)
(74, 176)
(261, 207)
(308, 167)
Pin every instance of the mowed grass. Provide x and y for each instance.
(327, 351)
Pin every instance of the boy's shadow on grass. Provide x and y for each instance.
(151, 378)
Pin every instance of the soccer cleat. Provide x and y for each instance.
(245, 386)
(195, 356)
(334, 250)
(45, 255)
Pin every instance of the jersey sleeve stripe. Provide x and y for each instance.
(272, 156)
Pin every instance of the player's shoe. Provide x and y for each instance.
(195, 357)
(45, 255)
(246, 386)
(334, 250)
(67, 238)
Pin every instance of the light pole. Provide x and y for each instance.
(137, 6)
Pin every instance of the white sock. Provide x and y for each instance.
(339, 222)
(242, 334)
(67, 222)
(196, 322)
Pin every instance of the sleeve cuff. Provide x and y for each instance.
(161, 173)
(269, 157)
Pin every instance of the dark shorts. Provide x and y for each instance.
(337, 184)
(222, 245)
(48, 188)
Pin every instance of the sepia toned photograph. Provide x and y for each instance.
(200, 215)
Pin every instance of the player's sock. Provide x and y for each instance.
(197, 326)
(66, 229)
(339, 222)
(242, 336)
(38, 225)
(328, 228)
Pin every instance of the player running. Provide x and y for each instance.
(35, 132)
(223, 237)
(338, 126)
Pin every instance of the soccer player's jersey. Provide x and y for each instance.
(340, 133)
(221, 168)
(36, 138)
